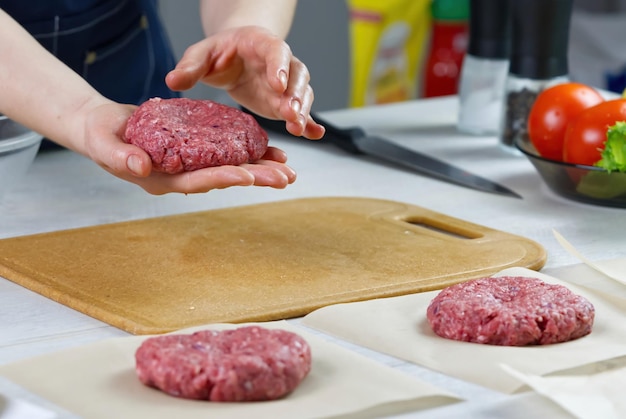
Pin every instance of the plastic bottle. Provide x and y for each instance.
(389, 81)
(447, 47)
(485, 68)
(387, 48)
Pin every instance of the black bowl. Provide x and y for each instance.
(578, 182)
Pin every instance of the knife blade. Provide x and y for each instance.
(355, 141)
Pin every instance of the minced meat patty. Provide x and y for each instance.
(183, 134)
(510, 311)
(245, 364)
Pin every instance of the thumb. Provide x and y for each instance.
(139, 165)
(197, 61)
(123, 160)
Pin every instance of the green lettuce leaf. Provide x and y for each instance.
(614, 153)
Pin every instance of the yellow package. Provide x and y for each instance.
(387, 40)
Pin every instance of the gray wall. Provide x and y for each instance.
(319, 37)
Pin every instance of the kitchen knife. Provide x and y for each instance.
(356, 141)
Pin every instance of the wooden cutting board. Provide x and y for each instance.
(257, 263)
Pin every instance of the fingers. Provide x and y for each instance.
(180, 79)
(296, 103)
(265, 173)
(104, 129)
(277, 56)
(197, 62)
(270, 173)
(184, 76)
(297, 95)
(291, 96)
(289, 78)
(199, 181)
(275, 154)
(313, 130)
(127, 159)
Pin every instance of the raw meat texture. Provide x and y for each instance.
(510, 311)
(245, 364)
(183, 134)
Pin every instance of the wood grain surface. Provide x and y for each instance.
(258, 262)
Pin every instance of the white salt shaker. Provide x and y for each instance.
(485, 68)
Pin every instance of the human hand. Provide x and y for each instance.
(258, 70)
(104, 144)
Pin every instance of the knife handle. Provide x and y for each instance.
(341, 137)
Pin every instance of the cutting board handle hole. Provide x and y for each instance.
(439, 227)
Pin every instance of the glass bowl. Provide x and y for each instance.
(588, 184)
(18, 148)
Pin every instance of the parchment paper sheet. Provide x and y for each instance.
(99, 381)
(597, 390)
(596, 394)
(398, 326)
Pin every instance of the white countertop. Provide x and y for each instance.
(63, 190)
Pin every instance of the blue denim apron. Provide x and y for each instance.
(119, 46)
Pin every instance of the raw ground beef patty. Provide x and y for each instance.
(245, 364)
(186, 134)
(510, 311)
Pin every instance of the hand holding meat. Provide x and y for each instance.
(244, 53)
(258, 70)
(104, 130)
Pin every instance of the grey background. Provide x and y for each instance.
(319, 37)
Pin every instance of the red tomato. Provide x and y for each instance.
(554, 108)
(585, 136)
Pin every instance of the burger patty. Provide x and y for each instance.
(185, 134)
(510, 311)
(245, 364)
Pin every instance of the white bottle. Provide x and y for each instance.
(485, 68)
(481, 94)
